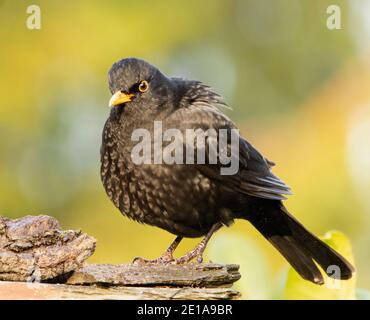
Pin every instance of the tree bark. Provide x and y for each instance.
(34, 248)
(45, 262)
(43, 291)
(195, 275)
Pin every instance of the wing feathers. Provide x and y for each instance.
(200, 108)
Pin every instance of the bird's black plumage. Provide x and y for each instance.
(193, 200)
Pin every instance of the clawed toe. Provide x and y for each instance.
(199, 259)
(196, 253)
(140, 261)
(160, 260)
(166, 259)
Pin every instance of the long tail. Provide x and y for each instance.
(299, 246)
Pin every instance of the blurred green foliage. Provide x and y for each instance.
(299, 93)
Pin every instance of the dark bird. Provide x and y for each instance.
(195, 200)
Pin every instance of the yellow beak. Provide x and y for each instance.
(119, 98)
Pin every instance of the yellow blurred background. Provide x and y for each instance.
(300, 93)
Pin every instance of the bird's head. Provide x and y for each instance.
(136, 83)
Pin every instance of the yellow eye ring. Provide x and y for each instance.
(143, 86)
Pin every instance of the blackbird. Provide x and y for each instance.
(195, 200)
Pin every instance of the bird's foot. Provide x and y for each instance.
(197, 252)
(163, 259)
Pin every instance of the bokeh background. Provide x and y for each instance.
(300, 93)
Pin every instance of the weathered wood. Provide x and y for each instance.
(189, 275)
(29, 291)
(34, 248)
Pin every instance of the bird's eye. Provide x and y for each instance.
(143, 86)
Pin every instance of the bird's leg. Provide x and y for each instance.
(166, 257)
(199, 249)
